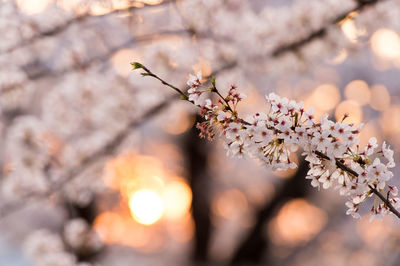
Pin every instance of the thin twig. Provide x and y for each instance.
(352, 172)
(385, 200)
(322, 31)
(339, 164)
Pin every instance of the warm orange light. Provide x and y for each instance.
(292, 226)
(230, 204)
(204, 66)
(121, 61)
(177, 198)
(99, 8)
(33, 6)
(381, 97)
(131, 172)
(351, 108)
(151, 2)
(180, 122)
(376, 232)
(147, 188)
(72, 5)
(326, 97)
(116, 228)
(146, 206)
(182, 230)
(386, 44)
(358, 91)
(390, 120)
(110, 227)
(350, 31)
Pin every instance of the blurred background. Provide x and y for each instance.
(100, 166)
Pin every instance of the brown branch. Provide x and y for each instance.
(110, 52)
(322, 31)
(385, 200)
(43, 73)
(374, 190)
(107, 149)
(61, 28)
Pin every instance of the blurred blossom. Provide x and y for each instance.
(47, 249)
(80, 237)
(67, 95)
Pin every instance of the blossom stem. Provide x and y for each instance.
(385, 200)
(340, 163)
(374, 190)
(151, 74)
(219, 94)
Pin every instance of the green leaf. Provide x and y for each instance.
(213, 81)
(137, 65)
(144, 74)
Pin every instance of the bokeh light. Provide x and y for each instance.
(150, 2)
(380, 96)
(350, 108)
(31, 7)
(229, 204)
(177, 198)
(390, 120)
(297, 222)
(121, 61)
(326, 97)
(179, 122)
(386, 44)
(146, 206)
(358, 91)
(349, 29)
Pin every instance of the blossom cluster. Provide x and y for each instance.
(47, 248)
(332, 149)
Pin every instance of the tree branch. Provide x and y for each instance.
(321, 32)
(105, 150)
(374, 190)
(80, 18)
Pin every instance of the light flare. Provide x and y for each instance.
(146, 206)
(386, 44)
(292, 225)
(31, 7)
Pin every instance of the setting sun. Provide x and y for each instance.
(146, 206)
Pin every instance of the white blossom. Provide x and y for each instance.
(330, 148)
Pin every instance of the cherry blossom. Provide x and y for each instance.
(331, 148)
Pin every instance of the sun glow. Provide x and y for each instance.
(150, 191)
(146, 206)
(31, 7)
(386, 44)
